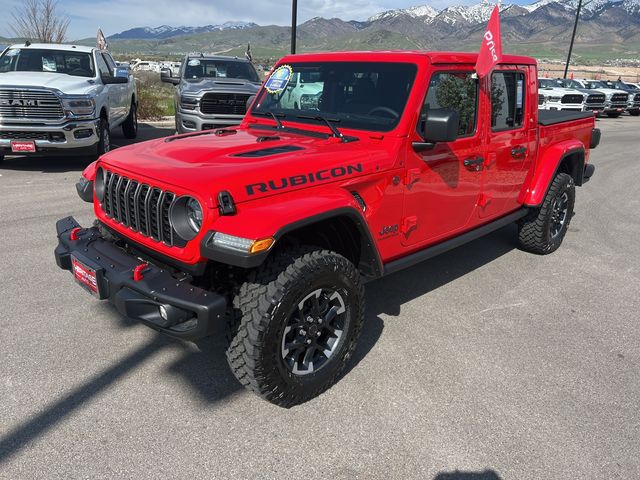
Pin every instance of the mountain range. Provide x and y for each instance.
(607, 30)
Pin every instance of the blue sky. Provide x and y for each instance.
(117, 15)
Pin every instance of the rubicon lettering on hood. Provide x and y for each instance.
(303, 179)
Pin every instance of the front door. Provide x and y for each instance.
(441, 192)
(510, 142)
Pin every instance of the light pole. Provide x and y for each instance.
(294, 21)
(573, 36)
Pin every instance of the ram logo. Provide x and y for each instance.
(19, 102)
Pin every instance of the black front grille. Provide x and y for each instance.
(224, 103)
(636, 97)
(572, 98)
(142, 208)
(619, 97)
(595, 98)
(26, 135)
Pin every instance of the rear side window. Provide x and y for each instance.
(507, 100)
(454, 91)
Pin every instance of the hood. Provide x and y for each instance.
(560, 91)
(58, 81)
(610, 91)
(250, 164)
(205, 85)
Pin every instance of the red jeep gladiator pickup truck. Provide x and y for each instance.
(274, 226)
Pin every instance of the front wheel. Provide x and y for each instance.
(544, 228)
(613, 114)
(296, 323)
(634, 113)
(130, 125)
(104, 142)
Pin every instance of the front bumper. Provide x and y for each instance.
(196, 122)
(614, 107)
(158, 299)
(81, 135)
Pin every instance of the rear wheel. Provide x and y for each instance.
(544, 228)
(297, 320)
(130, 125)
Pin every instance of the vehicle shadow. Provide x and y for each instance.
(205, 367)
(459, 475)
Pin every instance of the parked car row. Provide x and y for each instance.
(601, 97)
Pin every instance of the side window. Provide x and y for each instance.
(455, 91)
(110, 63)
(507, 100)
(102, 66)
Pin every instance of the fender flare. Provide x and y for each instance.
(325, 207)
(550, 163)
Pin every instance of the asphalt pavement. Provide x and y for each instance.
(484, 363)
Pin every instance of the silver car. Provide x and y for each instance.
(212, 91)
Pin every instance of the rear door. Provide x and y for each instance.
(441, 192)
(510, 144)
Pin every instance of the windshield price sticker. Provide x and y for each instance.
(279, 79)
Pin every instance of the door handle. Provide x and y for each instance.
(518, 151)
(474, 162)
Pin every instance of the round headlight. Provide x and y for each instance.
(99, 185)
(186, 217)
(194, 214)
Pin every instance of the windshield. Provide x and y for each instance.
(78, 64)
(595, 84)
(359, 95)
(198, 68)
(547, 83)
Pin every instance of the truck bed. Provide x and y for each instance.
(552, 117)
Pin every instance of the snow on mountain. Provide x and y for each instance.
(422, 11)
(166, 31)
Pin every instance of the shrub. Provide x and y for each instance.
(155, 99)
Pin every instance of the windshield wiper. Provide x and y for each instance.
(269, 113)
(329, 122)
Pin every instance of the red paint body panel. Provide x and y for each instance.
(412, 199)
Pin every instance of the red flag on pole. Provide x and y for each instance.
(491, 48)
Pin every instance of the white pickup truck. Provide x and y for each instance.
(63, 99)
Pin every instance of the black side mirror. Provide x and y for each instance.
(166, 77)
(440, 125)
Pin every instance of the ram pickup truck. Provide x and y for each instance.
(273, 227)
(594, 100)
(63, 99)
(633, 104)
(211, 91)
(616, 101)
(554, 96)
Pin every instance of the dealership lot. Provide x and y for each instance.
(486, 360)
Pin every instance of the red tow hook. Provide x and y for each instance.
(138, 271)
(74, 234)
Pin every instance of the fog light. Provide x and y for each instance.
(83, 133)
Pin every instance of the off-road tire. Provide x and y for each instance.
(1, 158)
(535, 229)
(104, 133)
(130, 125)
(634, 113)
(614, 114)
(263, 306)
